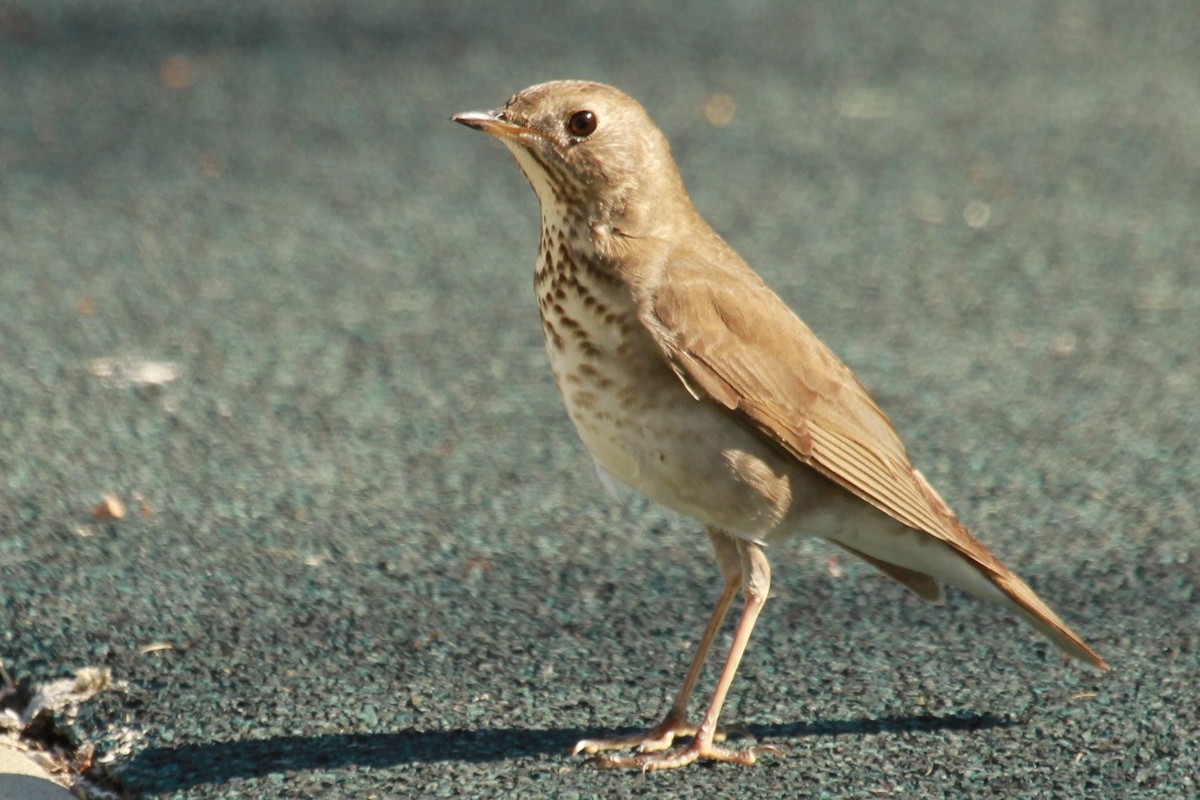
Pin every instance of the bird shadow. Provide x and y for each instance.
(188, 765)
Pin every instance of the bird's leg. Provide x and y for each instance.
(756, 582)
(661, 736)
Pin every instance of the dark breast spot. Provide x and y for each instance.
(552, 334)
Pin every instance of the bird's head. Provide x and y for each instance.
(589, 151)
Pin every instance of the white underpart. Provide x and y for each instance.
(918, 551)
(622, 452)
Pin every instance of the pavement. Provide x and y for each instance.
(279, 447)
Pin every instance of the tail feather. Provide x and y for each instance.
(1025, 602)
(919, 560)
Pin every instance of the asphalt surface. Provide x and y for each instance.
(255, 286)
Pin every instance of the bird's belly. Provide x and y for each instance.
(639, 421)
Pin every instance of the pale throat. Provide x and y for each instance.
(557, 217)
(586, 312)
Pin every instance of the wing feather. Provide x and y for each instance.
(730, 338)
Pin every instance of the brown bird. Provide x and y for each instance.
(692, 382)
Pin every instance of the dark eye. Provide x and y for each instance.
(582, 123)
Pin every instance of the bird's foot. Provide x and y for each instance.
(682, 756)
(658, 738)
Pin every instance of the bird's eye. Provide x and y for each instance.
(582, 124)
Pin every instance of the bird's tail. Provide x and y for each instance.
(919, 560)
(1025, 602)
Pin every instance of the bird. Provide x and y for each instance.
(691, 381)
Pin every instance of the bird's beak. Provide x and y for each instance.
(493, 124)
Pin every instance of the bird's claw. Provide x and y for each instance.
(681, 757)
(658, 738)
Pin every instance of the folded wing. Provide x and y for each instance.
(734, 341)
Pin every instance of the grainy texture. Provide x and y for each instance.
(358, 511)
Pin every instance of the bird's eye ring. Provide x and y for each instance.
(582, 124)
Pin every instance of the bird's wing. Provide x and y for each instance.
(731, 339)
